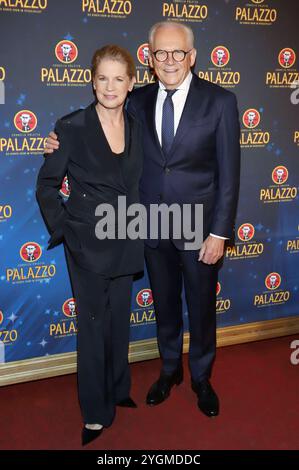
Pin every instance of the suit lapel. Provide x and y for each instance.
(191, 113)
(94, 136)
(150, 116)
(131, 162)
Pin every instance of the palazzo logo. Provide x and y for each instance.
(119, 9)
(69, 308)
(5, 212)
(222, 305)
(30, 252)
(65, 72)
(65, 189)
(273, 281)
(256, 14)
(67, 326)
(23, 6)
(146, 313)
(7, 336)
(26, 141)
(253, 136)
(246, 247)
(144, 298)
(25, 121)
(220, 73)
(220, 56)
(280, 174)
(143, 53)
(143, 74)
(286, 75)
(34, 270)
(185, 10)
(280, 191)
(276, 296)
(287, 57)
(293, 245)
(251, 118)
(246, 232)
(66, 51)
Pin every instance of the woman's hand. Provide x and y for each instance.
(51, 143)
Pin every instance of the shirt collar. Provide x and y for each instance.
(183, 86)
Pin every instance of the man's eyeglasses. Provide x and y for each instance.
(177, 55)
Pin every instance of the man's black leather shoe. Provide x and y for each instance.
(208, 401)
(160, 390)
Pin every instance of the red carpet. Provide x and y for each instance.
(256, 383)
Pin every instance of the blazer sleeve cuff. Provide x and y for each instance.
(57, 236)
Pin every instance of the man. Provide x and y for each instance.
(191, 155)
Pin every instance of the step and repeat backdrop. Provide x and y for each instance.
(249, 47)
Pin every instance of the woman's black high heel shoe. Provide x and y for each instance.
(127, 403)
(89, 435)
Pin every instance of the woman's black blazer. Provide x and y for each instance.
(96, 176)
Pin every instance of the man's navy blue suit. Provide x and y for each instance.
(202, 167)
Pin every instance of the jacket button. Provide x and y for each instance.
(167, 170)
(84, 195)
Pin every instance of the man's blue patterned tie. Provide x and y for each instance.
(168, 122)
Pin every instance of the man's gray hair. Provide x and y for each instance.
(170, 24)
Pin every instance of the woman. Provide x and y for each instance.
(100, 151)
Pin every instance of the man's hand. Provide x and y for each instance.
(212, 250)
(51, 143)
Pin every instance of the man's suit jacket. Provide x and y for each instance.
(95, 177)
(203, 165)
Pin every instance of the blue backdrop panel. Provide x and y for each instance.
(250, 47)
